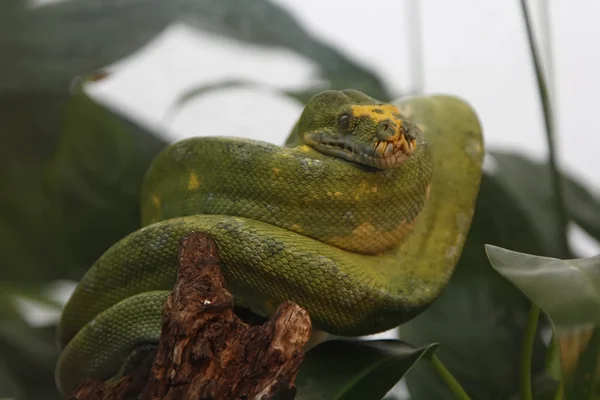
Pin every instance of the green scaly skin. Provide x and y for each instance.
(361, 241)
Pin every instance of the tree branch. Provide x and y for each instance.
(205, 350)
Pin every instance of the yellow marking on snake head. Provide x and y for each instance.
(304, 148)
(374, 189)
(379, 113)
(337, 194)
(193, 182)
(156, 201)
(276, 171)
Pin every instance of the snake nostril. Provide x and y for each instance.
(385, 129)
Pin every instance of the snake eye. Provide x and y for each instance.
(344, 121)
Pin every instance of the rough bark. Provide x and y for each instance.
(205, 350)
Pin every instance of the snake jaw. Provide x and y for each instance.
(392, 153)
(381, 154)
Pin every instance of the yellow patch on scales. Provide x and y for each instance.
(366, 238)
(193, 182)
(296, 228)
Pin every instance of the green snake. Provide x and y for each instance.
(360, 218)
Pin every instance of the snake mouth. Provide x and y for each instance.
(380, 154)
(392, 153)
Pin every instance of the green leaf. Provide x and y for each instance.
(74, 169)
(29, 355)
(8, 386)
(529, 183)
(568, 291)
(47, 46)
(584, 207)
(362, 370)
(30, 130)
(480, 318)
(95, 179)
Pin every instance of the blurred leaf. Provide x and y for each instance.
(74, 169)
(47, 46)
(583, 207)
(10, 291)
(27, 354)
(568, 291)
(30, 355)
(30, 129)
(194, 93)
(44, 47)
(8, 387)
(543, 387)
(529, 183)
(362, 370)
(72, 196)
(479, 319)
(95, 178)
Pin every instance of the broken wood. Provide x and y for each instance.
(205, 350)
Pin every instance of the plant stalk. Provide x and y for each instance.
(527, 353)
(557, 184)
(449, 379)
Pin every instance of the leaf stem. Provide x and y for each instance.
(557, 183)
(449, 379)
(526, 355)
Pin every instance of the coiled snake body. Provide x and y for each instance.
(360, 219)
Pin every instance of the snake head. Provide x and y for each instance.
(353, 126)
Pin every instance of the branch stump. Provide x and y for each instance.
(206, 351)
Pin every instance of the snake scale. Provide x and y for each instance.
(360, 218)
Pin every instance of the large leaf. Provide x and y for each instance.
(29, 356)
(479, 319)
(95, 178)
(47, 46)
(70, 198)
(529, 182)
(568, 291)
(29, 132)
(8, 388)
(361, 370)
